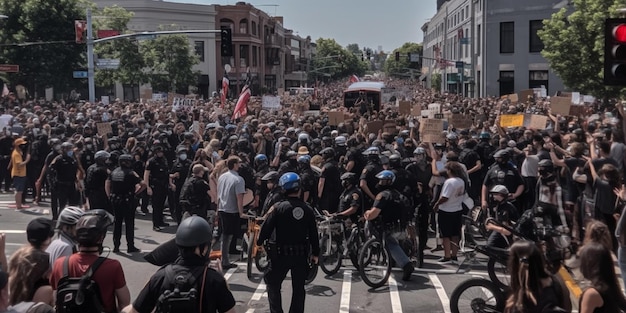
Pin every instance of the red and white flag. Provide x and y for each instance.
(224, 90)
(241, 109)
(354, 79)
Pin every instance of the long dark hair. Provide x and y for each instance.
(527, 269)
(596, 265)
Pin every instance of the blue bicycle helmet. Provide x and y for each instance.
(289, 181)
(386, 175)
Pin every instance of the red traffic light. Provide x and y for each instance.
(619, 33)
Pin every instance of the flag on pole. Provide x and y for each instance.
(241, 109)
(354, 79)
(224, 91)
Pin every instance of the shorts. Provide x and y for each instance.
(19, 182)
(450, 223)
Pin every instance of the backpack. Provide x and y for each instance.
(79, 294)
(181, 293)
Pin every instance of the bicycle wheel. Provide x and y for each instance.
(330, 255)
(477, 295)
(498, 273)
(374, 263)
(250, 256)
(261, 260)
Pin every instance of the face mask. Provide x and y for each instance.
(70, 153)
(183, 157)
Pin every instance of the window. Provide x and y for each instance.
(507, 38)
(535, 44)
(507, 82)
(537, 78)
(199, 48)
(254, 28)
(243, 55)
(255, 56)
(243, 26)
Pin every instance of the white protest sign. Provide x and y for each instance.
(271, 102)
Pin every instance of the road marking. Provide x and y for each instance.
(346, 288)
(12, 231)
(443, 297)
(396, 306)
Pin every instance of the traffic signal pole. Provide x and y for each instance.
(91, 42)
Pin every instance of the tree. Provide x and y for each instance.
(42, 65)
(132, 63)
(393, 67)
(574, 44)
(170, 60)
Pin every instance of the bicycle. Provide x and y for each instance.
(335, 245)
(254, 251)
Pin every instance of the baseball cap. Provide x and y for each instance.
(39, 230)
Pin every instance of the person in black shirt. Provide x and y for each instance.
(291, 230)
(122, 186)
(66, 167)
(177, 176)
(95, 180)
(155, 177)
(328, 188)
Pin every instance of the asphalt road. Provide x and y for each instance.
(428, 291)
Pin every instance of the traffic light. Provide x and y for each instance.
(397, 56)
(615, 52)
(226, 42)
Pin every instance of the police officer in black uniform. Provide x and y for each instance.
(291, 230)
(122, 186)
(177, 177)
(368, 179)
(156, 178)
(351, 199)
(65, 167)
(274, 195)
(193, 238)
(390, 204)
(97, 175)
(194, 196)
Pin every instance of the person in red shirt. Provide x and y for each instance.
(91, 230)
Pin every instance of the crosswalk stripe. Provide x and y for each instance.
(346, 288)
(443, 297)
(396, 306)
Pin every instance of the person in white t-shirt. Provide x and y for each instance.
(450, 210)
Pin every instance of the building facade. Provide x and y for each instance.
(497, 42)
(150, 15)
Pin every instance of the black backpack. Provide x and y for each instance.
(181, 293)
(79, 294)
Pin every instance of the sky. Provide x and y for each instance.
(388, 23)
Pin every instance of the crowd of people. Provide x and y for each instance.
(288, 166)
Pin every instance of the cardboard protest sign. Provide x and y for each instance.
(512, 120)
(560, 105)
(334, 118)
(461, 121)
(404, 107)
(104, 129)
(431, 131)
(416, 110)
(270, 103)
(374, 127)
(534, 121)
(525, 94)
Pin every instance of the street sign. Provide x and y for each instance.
(460, 64)
(9, 68)
(108, 64)
(80, 74)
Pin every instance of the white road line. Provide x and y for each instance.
(396, 306)
(346, 288)
(443, 297)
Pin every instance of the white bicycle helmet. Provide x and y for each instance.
(70, 216)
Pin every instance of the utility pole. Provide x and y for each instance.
(90, 66)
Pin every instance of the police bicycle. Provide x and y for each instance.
(336, 243)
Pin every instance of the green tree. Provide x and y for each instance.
(393, 67)
(42, 65)
(132, 63)
(574, 44)
(170, 60)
